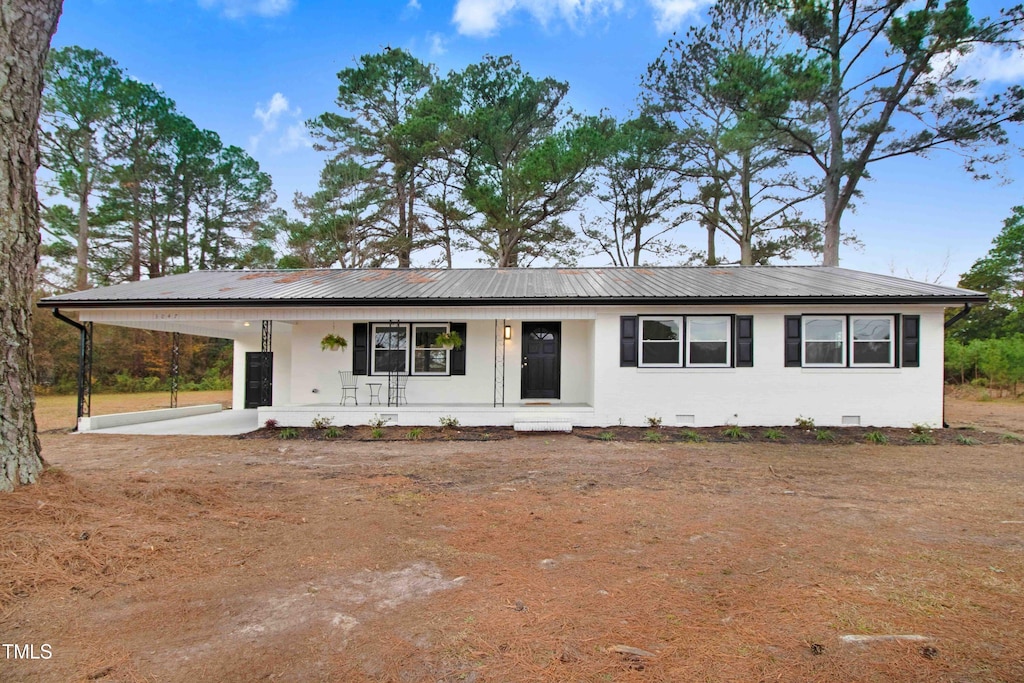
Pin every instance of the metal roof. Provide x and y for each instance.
(479, 286)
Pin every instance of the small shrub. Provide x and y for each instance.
(1012, 438)
(774, 434)
(824, 435)
(377, 432)
(735, 432)
(377, 421)
(654, 422)
(876, 437)
(921, 437)
(288, 433)
(606, 436)
(805, 422)
(965, 440)
(919, 428)
(270, 424)
(653, 436)
(415, 433)
(332, 433)
(449, 422)
(692, 436)
(320, 422)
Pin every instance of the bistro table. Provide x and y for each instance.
(374, 392)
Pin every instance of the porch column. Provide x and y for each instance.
(266, 361)
(175, 364)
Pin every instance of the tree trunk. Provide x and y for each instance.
(82, 255)
(26, 27)
(834, 175)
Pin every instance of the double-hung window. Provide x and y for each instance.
(390, 349)
(708, 341)
(429, 358)
(394, 345)
(872, 339)
(661, 342)
(824, 341)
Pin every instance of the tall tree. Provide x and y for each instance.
(78, 106)
(26, 27)
(137, 136)
(875, 80)
(639, 190)
(1000, 273)
(746, 190)
(522, 158)
(378, 129)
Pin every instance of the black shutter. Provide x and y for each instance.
(628, 341)
(911, 346)
(360, 348)
(793, 341)
(458, 356)
(744, 344)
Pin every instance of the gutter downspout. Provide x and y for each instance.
(949, 323)
(84, 366)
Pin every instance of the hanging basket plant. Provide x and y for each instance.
(448, 340)
(332, 342)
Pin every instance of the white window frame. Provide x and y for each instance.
(804, 340)
(413, 349)
(373, 347)
(892, 341)
(679, 320)
(728, 341)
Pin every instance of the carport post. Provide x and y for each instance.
(84, 365)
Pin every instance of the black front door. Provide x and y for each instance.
(541, 360)
(259, 380)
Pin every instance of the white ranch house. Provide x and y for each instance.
(555, 348)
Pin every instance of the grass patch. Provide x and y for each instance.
(288, 433)
(692, 436)
(606, 436)
(825, 435)
(653, 436)
(773, 434)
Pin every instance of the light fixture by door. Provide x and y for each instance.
(508, 332)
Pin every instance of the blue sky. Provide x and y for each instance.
(255, 70)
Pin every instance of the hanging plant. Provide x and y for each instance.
(332, 342)
(448, 340)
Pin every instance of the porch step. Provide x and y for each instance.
(535, 424)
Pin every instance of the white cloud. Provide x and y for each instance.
(992, 64)
(236, 9)
(413, 5)
(270, 117)
(481, 18)
(437, 44)
(670, 14)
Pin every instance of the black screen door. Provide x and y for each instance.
(258, 378)
(541, 360)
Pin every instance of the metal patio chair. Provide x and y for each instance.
(348, 386)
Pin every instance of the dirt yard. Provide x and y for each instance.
(536, 558)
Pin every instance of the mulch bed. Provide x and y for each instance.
(797, 435)
(820, 436)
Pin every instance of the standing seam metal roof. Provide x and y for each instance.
(750, 284)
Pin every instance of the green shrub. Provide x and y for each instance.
(691, 436)
(774, 434)
(824, 435)
(415, 433)
(288, 433)
(606, 436)
(654, 422)
(320, 422)
(653, 436)
(804, 422)
(965, 440)
(921, 438)
(377, 432)
(449, 422)
(333, 433)
(377, 421)
(735, 432)
(876, 437)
